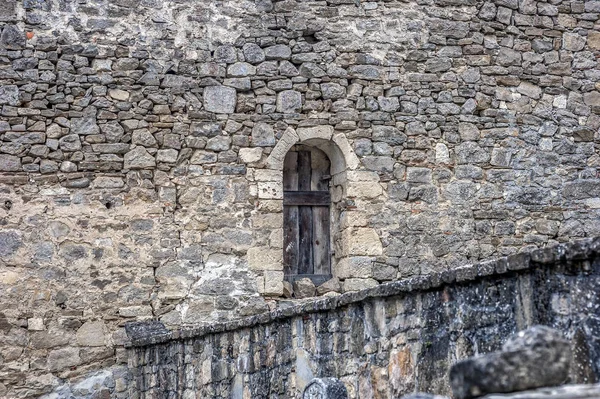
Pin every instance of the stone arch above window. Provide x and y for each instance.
(336, 146)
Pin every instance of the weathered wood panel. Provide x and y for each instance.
(307, 198)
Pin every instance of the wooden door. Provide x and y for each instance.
(306, 202)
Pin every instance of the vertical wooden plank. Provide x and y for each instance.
(305, 218)
(320, 167)
(305, 249)
(290, 240)
(304, 170)
(322, 259)
(290, 171)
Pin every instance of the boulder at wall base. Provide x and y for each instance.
(325, 388)
(534, 358)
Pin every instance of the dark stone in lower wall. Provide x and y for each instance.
(383, 342)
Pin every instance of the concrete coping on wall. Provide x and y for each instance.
(573, 253)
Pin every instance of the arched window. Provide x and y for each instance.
(306, 214)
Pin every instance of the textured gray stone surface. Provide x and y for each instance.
(497, 99)
(533, 358)
(434, 319)
(325, 388)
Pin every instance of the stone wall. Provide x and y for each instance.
(386, 341)
(141, 144)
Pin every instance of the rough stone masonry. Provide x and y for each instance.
(142, 142)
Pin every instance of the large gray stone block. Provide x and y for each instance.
(534, 358)
(220, 99)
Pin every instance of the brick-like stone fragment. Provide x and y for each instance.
(139, 158)
(91, 333)
(10, 163)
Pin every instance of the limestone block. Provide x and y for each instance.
(268, 175)
(35, 324)
(289, 101)
(361, 176)
(135, 311)
(62, 359)
(573, 41)
(316, 132)
(442, 155)
(91, 333)
(273, 282)
(9, 94)
(593, 39)
(355, 266)
(270, 190)
(304, 288)
(289, 138)
(263, 135)
(265, 258)
(241, 69)
(353, 219)
(530, 90)
(360, 241)
(363, 190)
(357, 284)
(220, 99)
(10, 242)
(119, 95)
(139, 158)
(267, 221)
(276, 238)
(250, 155)
(198, 309)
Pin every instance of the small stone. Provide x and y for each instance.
(220, 99)
(530, 90)
(9, 94)
(289, 102)
(84, 126)
(10, 163)
(139, 158)
(325, 388)
(304, 288)
(70, 143)
(48, 166)
(225, 54)
(592, 98)
(593, 39)
(167, 156)
(13, 38)
(219, 143)
(331, 285)
(253, 53)
(62, 359)
(119, 95)
(333, 91)
(143, 137)
(278, 52)
(573, 41)
(508, 56)
(263, 135)
(250, 155)
(241, 69)
(10, 242)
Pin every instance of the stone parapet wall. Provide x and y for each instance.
(141, 144)
(386, 341)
